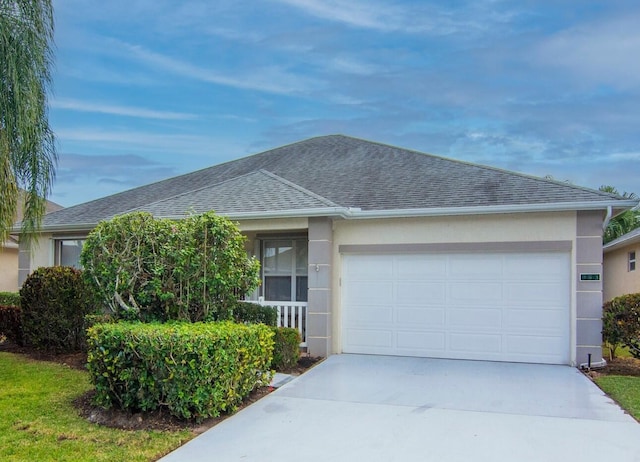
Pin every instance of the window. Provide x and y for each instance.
(67, 252)
(284, 270)
(632, 261)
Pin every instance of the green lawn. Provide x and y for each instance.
(624, 389)
(38, 420)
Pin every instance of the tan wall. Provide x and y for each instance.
(617, 279)
(529, 227)
(8, 269)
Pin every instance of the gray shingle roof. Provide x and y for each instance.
(331, 171)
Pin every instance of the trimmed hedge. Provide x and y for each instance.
(54, 302)
(621, 323)
(10, 298)
(254, 313)
(196, 370)
(286, 348)
(11, 323)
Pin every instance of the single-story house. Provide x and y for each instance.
(621, 272)
(384, 250)
(9, 253)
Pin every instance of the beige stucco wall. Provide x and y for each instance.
(527, 227)
(617, 279)
(8, 269)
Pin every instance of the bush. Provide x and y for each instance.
(286, 348)
(621, 323)
(11, 323)
(54, 303)
(10, 298)
(151, 269)
(254, 313)
(196, 370)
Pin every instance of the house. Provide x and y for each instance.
(9, 253)
(621, 272)
(384, 250)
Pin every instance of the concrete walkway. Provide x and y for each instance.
(378, 408)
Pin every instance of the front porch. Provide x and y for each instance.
(296, 276)
(291, 314)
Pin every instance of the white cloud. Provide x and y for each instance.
(271, 79)
(605, 52)
(411, 17)
(127, 111)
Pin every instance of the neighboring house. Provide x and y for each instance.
(621, 269)
(9, 254)
(395, 252)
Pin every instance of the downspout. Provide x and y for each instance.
(607, 218)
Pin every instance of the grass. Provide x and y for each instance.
(39, 422)
(624, 389)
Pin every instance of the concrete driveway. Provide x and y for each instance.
(379, 408)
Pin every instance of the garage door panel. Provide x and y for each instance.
(370, 338)
(475, 343)
(541, 345)
(538, 267)
(369, 315)
(535, 294)
(370, 267)
(475, 266)
(495, 306)
(410, 267)
(423, 342)
(431, 317)
(487, 292)
(526, 320)
(419, 293)
(375, 293)
(477, 318)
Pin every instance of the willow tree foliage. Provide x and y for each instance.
(623, 223)
(27, 145)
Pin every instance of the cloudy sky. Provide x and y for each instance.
(148, 89)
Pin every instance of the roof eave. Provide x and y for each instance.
(493, 209)
(357, 213)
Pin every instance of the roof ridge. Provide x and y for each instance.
(191, 191)
(303, 190)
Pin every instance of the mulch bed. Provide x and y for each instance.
(153, 420)
(618, 366)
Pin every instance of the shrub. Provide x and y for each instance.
(621, 323)
(10, 298)
(196, 370)
(54, 303)
(254, 313)
(286, 348)
(11, 323)
(158, 269)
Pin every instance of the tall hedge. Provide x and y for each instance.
(159, 269)
(621, 323)
(54, 303)
(196, 370)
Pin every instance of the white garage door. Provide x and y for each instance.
(498, 306)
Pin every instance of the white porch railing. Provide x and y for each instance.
(291, 314)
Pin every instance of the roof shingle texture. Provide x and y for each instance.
(329, 171)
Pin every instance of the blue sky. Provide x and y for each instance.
(149, 89)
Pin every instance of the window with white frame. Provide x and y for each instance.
(632, 261)
(284, 269)
(67, 252)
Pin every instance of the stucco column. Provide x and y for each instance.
(588, 293)
(319, 310)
